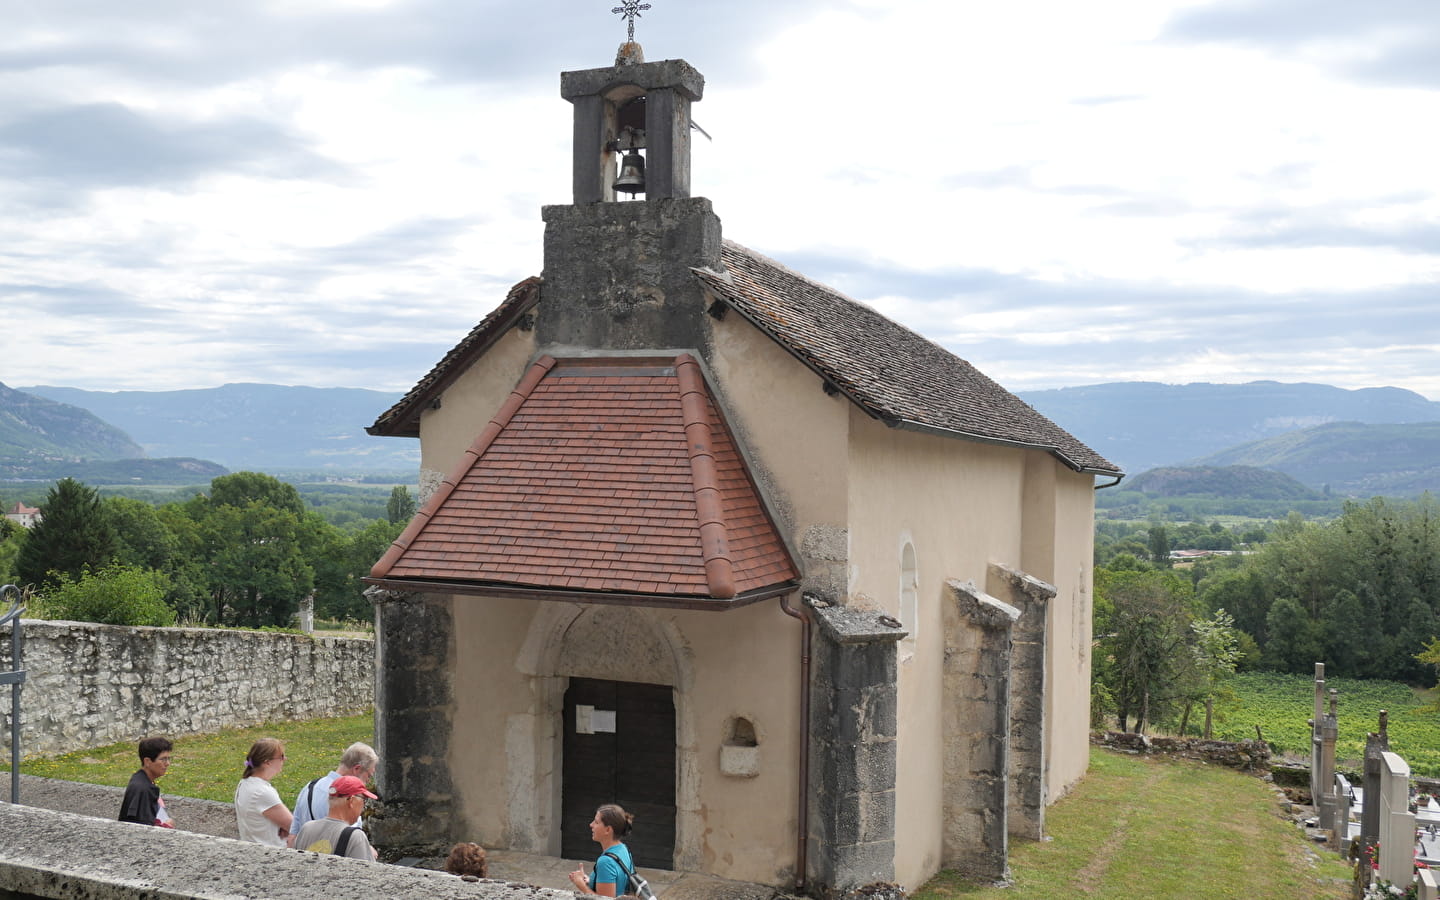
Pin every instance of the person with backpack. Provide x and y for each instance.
(337, 833)
(359, 760)
(614, 872)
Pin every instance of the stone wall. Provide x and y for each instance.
(88, 685)
(1248, 756)
(62, 855)
(853, 742)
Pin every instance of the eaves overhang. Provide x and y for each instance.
(403, 419)
(602, 598)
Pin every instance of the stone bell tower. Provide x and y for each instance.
(618, 272)
(630, 106)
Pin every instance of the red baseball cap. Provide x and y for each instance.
(350, 786)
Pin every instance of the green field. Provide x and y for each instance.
(1282, 705)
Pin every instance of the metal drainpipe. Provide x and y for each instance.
(802, 842)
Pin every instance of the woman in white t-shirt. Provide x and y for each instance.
(259, 813)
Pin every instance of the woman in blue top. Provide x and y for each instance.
(609, 879)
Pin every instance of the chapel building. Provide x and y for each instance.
(804, 591)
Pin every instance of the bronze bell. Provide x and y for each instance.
(632, 174)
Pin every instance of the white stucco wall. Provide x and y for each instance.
(513, 658)
(850, 493)
(446, 433)
(1071, 625)
(958, 502)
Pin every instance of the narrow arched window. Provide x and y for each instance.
(909, 600)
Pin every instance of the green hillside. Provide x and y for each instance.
(35, 429)
(173, 470)
(1349, 457)
(1247, 482)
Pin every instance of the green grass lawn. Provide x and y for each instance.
(210, 765)
(1142, 828)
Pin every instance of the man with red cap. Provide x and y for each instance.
(337, 833)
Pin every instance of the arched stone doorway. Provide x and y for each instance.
(628, 645)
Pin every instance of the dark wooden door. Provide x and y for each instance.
(633, 765)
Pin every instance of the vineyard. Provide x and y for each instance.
(1282, 705)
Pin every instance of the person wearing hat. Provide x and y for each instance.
(337, 833)
(359, 759)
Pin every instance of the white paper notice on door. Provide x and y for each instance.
(602, 721)
(583, 717)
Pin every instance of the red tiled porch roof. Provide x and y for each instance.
(600, 479)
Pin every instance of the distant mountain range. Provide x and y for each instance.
(262, 427)
(1355, 442)
(1145, 425)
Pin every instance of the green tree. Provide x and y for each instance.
(347, 599)
(1245, 591)
(73, 534)
(1217, 651)
(401, 506)
(141, 537)
(241, 488)
(115, 595)
(189, 590)
(256, 545)
(1144, 634)
(257, 571)
(11, 537)
(1159, 545)
(1359, 593)
(1296, 641)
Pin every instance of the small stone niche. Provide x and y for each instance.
(740, 754)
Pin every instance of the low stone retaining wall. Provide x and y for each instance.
(62, 855)
(1248, 756)
(89, 685)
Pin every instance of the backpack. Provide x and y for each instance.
(634, 884)
(344, 843)
(310, 799)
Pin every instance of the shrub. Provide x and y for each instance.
(115, 595)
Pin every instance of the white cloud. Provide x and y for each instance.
(1063, 193)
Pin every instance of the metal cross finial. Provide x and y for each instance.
(630, 9)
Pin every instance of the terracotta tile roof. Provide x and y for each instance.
(403, 419)
(613, 476)
(890, 371)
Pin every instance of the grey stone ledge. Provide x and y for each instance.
(378, 595)
(847, 625)
(981, 608)
(1038, 591)
(63, 855)
(666, 73)
(665, 211)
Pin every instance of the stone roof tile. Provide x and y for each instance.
(890, 371)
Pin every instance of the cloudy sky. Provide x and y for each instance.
(332, 192)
